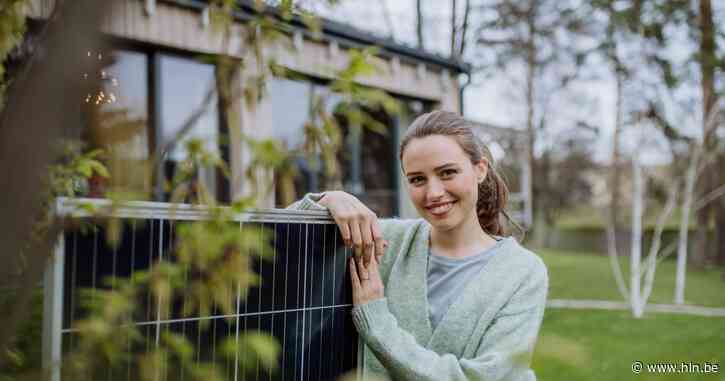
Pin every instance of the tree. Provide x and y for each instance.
(419, 23)
(530, 36)
(711, 64)
(664, 18)
(68, 34)
(12, 28)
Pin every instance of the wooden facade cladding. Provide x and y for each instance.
(178, 27)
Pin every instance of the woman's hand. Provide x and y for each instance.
(358, 224)
(366, 283)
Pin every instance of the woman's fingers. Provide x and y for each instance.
(366, 282)
(353, 274)
(344, 229)
(357, 241)
(368, 242)
(346, 233)
(359, 226)
(356, 287)
(362, 268)
(380, 243)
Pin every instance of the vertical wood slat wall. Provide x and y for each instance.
(181, 27)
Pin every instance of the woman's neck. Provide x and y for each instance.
(461, 241)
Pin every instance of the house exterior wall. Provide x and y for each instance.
(173, 26)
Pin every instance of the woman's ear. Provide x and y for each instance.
(482, 169)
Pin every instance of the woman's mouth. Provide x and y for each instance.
(440, 210)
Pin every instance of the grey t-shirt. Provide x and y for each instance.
(448, 276)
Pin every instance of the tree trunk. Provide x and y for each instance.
(656, 243)
(636, 251)
(703, 244)
(689, 190)
(464, 29)
(615, 170)
(720, 222)
(419, 23)
(388, 19)
(720, 233)
(35, 119)
(613, 212)
(454, 28)
(530, 130)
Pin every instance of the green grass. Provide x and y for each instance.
(589, 276)
(602, 345)
(588, 217)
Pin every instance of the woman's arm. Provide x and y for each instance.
(503, 354)
(309, 202)
(359, 226)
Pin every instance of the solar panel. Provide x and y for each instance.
(304, 299)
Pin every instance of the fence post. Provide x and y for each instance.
(53, 310)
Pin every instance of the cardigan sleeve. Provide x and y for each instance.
(393, 229)
(504, 352)
(308, 202)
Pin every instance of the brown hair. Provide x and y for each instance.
(492, 192)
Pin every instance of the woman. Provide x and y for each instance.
(451, 299)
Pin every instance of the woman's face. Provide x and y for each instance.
(442, 181)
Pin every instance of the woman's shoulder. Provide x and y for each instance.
(398, 230)
(400, 225)
(525, 261)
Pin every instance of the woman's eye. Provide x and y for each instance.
(449, 172)
(415, 180)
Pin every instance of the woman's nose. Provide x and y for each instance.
(435, 190)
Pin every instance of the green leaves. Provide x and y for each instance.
(323, 137)
(12, 28)
(74, 168)
(251, 349)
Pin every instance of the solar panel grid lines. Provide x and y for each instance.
(324, 270)
(302, 301)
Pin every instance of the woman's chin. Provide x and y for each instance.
(443, 223)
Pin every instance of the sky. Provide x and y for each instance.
(498, 99)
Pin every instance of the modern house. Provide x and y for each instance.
(156, 75)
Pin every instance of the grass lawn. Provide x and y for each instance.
(602, 345)
(589, 276)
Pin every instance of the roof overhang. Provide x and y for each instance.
(345, 35)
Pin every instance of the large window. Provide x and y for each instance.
(125, 85)
(163, 90)
(184, 84)
(368, 162)
(291, 102)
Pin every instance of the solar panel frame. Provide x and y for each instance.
(320, 322)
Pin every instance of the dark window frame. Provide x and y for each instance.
(153, 55)
(427, 105)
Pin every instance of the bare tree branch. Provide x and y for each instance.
(710, 197)
(651, 262)
(454, 28)
(614, 263)
(464, 29)
(419, 23)
(388, 18)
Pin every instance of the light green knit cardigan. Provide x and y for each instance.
(487, 334)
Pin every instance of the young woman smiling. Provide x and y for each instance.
(451, 298)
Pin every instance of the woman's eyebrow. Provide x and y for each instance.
(436, 169)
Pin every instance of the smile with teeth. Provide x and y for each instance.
(443, 208)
